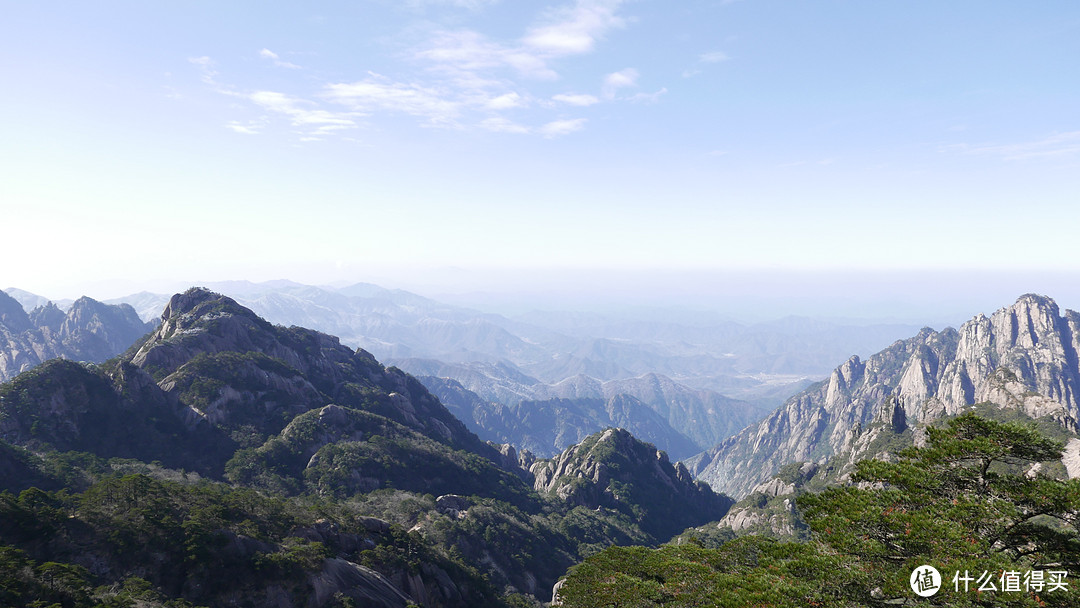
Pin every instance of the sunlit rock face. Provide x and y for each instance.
(88, 331)
(1023, 356)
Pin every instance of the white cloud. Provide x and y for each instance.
(461, 78)
(618, 80)
(503, 125)
(649, 97)
(506, 102)
(713, 57)
(1056, 145)
(248, 129)
(272, 56)
(575, 99)
(206, 66)
(302, 114)
(575, 30)
(469, 4)
(468, 51)
(558, 128)
(379, 93)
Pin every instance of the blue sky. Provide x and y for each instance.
(445, 143)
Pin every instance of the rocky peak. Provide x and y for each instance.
(90, 331)
(98, 331)
(238, 371)
(614, 470)
(48, 317)
(12, 315)
(1022, 356)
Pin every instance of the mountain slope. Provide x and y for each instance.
(613, 470)
(1023, 356)
(380, 475)
(217, 376)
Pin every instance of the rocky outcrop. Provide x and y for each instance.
(613, 470)
(1023, 356)
(88, 331)
(344, 578)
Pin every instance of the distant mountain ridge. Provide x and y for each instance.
(546, 427)
(503, 405)
(1023, 357)
(88, 331)
(696, 349)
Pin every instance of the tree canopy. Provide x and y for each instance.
(972, 502)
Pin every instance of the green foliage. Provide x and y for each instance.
(962, 503)
(750, 571)
(25, 583)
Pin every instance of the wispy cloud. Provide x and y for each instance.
(1056, 145)
(458, 78)
(505, 102)
(469, 4)
(272, 56)
(576, 99)
(713, 57)
(206, 67)
(558, 128)
(303, 114)
(567, 31)
(246, 129)
(576, 29)
(466, 52)
(619, 80)
(649, 97)
(503, 125)
(378, 93)
(705, 59)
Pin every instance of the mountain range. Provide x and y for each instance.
(308, 471)
(87, 331)
(708, 377)
(222, 459)
(1023, 357)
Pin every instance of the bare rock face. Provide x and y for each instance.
(1023, 356)
(339, 576)
(89, 331)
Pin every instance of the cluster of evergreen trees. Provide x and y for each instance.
(972, 503)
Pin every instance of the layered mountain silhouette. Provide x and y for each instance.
(369, 491)
(216, 368)
(88, 331)
(502, 404)
(1022, 357)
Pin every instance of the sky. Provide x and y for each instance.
(639, 150)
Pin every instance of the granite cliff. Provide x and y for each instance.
(88, 331)
(1022, 357)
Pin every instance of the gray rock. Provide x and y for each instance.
(1023, 356)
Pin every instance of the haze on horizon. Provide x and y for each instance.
(915, 160)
